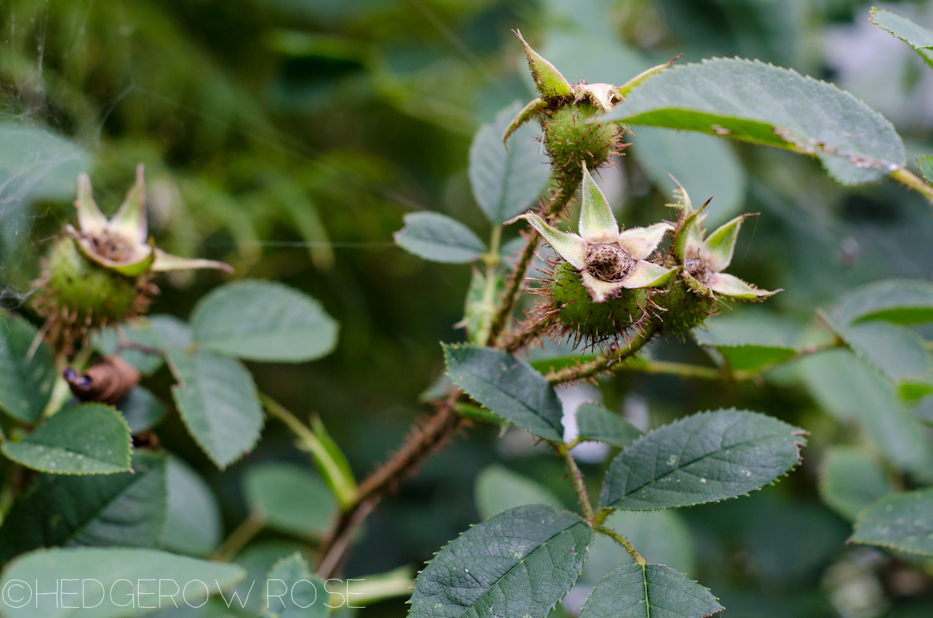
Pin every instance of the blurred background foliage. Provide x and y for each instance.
(289, 137)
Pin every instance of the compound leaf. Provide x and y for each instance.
(291, 590)
(193, 526)
(917, 37)
(755, 102)
(290, 498)
(650, 590)
(747, 343)
(25, 380)
(902, 521)
(263, 321)
(141, 410)
(901, 301)
(218, 403)
(86, 439)
(506, 182)
(507, 386)
(518, 564)
(702, 458)
(499, 489)
(850, 480)
(439, 238)
(594, 422)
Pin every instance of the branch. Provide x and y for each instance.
(604, 362)
(624, 542)
(579, 485)
(908, 178)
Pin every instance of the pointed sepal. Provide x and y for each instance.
(647, 275)
(549, 81)
(90, 219)
(639, 79)
(720, 245)
(733, 287)
(570, 246)
(530, 111)
(130, 220)
(597, 223)
(165, 262)
(640, 242)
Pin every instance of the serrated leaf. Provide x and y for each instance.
(507, 182)
(193, 526)
(925, 165)
(651, 590)
(507, 386)
(594, 422)
(850, 480)
(902, 521)
(917, 37)
(141, 410)
(218, 404)
(258, 559)
(291, 590)
(850, 389)
(53, 163)
(25, 381)
(705, 457)
(518, 564)
(439, 238)
(290, 498)
(126, 509)
(86, 439)
(901, 301)
(139, 569)
(747, 343)
(705, 166)
(759, 103)
(897, 352)
(263, 321)
(499, 489)
(106, 341)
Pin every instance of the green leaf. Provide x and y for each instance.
(594, 422)
(518, 564)
(106, 341)
(218, 404)
(291, 590)
(902, 301)
(759, 103)
(499, 489)
(507, 182)
(917, 37)
(749, 342)
(706, 167)
(662, 537)
(897, 352)
(290, 499)
(903, 522)
(851, 390)
(193, 526)
(258, 559)
(126, 509)
(132, 575)
(86, 439)
(507, 386)
(643, 591)
(439, 238)
(702, 458)
(141, 410)
(850, 480)
(25, 381)
(263, 321)
(925, 165)
(53, 163)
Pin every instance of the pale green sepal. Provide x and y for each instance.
(639, 79)
(165, 262)
(603, 96)
(640, 242)
(130, 220)
(140, 262)
(720, 245)
(727, 285)
(90, 219)
(600, 290)
(551, 84)
(687, 238)
(597, 223)
(570, 246)
(648, 275)
(530, 111)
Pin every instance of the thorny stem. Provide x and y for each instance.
(238, 539)
(576, 476)
(491, 258)
(514, 286)
(603, 362)
(909, 179)
(621, 540)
